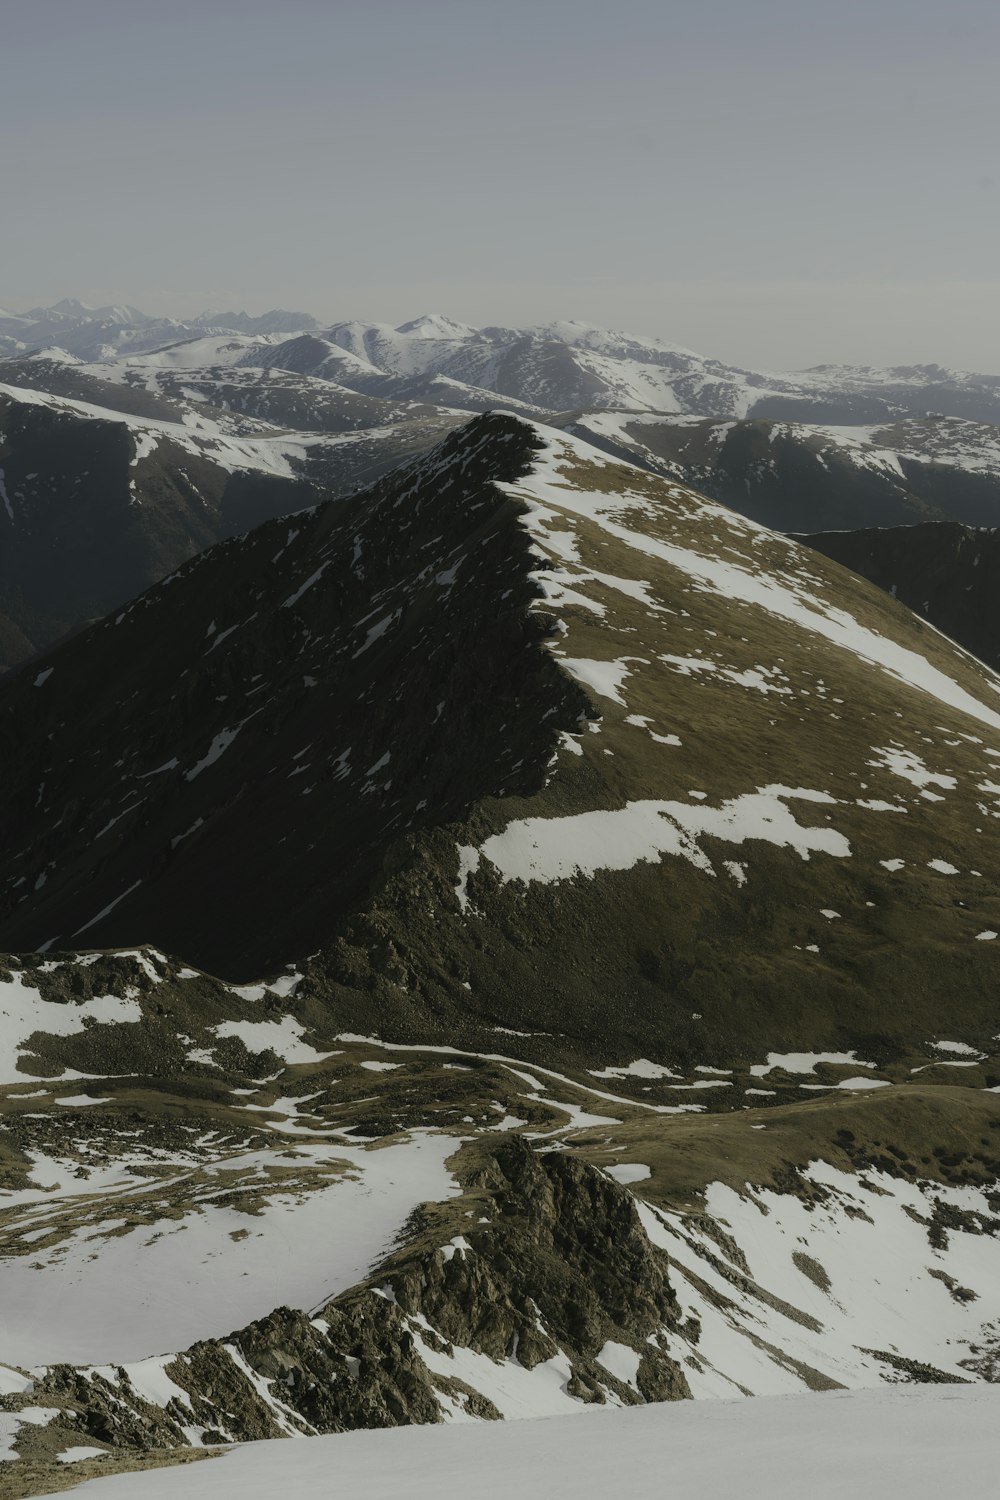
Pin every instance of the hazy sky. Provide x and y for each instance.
(774, 182)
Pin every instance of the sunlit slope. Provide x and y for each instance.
(780, 827)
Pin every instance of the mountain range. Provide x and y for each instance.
(497, 930)
(102, 332)
(554, 367)
(96, 454)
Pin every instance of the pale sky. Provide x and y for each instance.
(773, 182)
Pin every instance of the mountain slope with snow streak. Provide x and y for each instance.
(96, 504)
(317, 639)
(693, 719)
(797, 476)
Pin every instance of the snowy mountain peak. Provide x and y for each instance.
(54, 355)
(436, 326)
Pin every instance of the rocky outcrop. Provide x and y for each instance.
(552, 1263)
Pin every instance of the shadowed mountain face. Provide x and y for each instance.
(106, 486)
(782, 784)
(947, 574)
(284, 712)
(797, 477)
(89, 515)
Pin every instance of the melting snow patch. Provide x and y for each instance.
(548, 849)
(468, 864)
(23, 1011)
(806, 1062)
(626, 1172)
(12, 1382)
(908, 765)
(106, 909)
(641, 1068)
(375, 633)
(283, 1037)
(622, 1361)
(145, 445)
(687, 666)
(35, 1416)
(603, 677)
(514, 1390)
(218, 748)
(942, 866)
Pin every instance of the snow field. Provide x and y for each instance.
(113, 1294)
(914, 1444)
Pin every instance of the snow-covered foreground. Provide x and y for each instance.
(120, 1288)
(917, 1443)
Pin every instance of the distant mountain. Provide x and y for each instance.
(103, 332)
(557, 367)
(564, 366)
(278, 320)
(797, 476)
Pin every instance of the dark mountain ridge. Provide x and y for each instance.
(303, 661)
